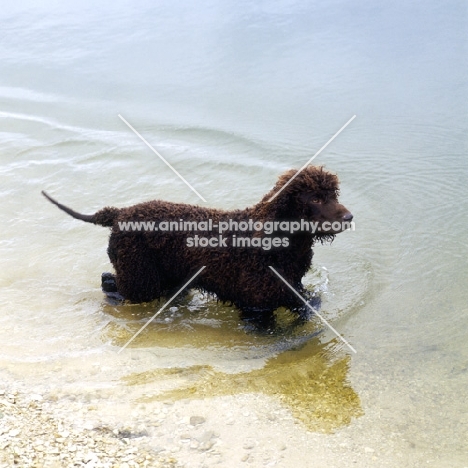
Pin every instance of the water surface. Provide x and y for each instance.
(233, 94)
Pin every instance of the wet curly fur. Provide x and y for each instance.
(150, 264)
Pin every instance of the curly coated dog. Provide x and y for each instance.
(150, 263)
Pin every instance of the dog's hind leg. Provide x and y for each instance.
(138, 282)
(137, 278)
(109, 286)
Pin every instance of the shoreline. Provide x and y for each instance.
(32, 436)
(251, 430)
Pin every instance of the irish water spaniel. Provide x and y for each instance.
(150, 263)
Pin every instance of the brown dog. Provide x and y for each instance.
(149, 263)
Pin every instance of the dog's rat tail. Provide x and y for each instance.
(104, 217)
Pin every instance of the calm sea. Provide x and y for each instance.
(232, 94)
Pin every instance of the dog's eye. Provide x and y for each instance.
(310, 198)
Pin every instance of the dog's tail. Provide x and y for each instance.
(104, 217)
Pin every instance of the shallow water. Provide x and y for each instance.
(232, 95)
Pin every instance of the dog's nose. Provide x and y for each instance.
(348, 216)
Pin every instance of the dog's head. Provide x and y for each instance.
(311, 195)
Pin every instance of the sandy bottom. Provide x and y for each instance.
(99, 428)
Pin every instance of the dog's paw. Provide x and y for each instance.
(114, 296)
(109, 287)
(108, 283)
